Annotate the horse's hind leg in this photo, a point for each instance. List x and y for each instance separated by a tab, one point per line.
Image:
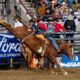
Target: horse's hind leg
27	53
54	61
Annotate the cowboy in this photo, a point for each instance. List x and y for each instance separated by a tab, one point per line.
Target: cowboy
70	26
38	34
46	31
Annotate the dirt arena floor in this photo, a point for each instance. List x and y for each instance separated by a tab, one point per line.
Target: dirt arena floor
26	74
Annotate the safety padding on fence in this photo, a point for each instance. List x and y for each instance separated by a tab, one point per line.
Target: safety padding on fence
9	46
67	63
10	49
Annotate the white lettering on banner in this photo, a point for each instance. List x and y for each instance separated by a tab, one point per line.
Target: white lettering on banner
75	58
15	47
12	46
8	47
74	64
5	48
10	55
3	41
70	64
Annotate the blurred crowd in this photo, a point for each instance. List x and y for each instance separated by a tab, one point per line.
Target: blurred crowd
60	9
47	10
66	13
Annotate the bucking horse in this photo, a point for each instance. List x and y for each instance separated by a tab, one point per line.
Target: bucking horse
33	44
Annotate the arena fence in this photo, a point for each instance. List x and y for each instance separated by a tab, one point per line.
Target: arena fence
10	49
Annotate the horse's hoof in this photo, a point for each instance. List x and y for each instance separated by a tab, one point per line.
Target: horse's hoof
64	73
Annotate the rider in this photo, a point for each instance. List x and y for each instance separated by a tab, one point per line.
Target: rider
38	34
46	30
36	30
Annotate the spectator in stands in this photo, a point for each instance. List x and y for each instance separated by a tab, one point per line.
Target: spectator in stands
57	27
52	6
65	14
56	3
47	14
77	13
46	1
77	20
63	7
76	1
66	1
70	26
33	3
69	2
76	4
41	2
57	13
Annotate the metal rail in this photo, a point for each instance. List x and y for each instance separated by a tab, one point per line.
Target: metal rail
27	12
63	33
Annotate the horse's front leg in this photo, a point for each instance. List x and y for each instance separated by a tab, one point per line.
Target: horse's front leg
54	61
27	53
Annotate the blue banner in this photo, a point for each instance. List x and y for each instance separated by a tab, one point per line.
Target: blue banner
9	46
65	62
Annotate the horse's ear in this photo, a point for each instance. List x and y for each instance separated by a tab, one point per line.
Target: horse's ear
71	45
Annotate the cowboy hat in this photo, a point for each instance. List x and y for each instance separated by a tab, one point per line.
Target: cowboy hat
70	17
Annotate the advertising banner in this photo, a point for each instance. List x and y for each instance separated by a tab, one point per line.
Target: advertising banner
9	46
66	63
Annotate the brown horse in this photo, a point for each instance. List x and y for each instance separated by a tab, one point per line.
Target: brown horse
33	44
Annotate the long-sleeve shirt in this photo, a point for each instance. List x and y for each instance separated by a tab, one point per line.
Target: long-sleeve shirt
70	25
58	28
43	27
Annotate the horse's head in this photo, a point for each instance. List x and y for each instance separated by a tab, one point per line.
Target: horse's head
67	48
